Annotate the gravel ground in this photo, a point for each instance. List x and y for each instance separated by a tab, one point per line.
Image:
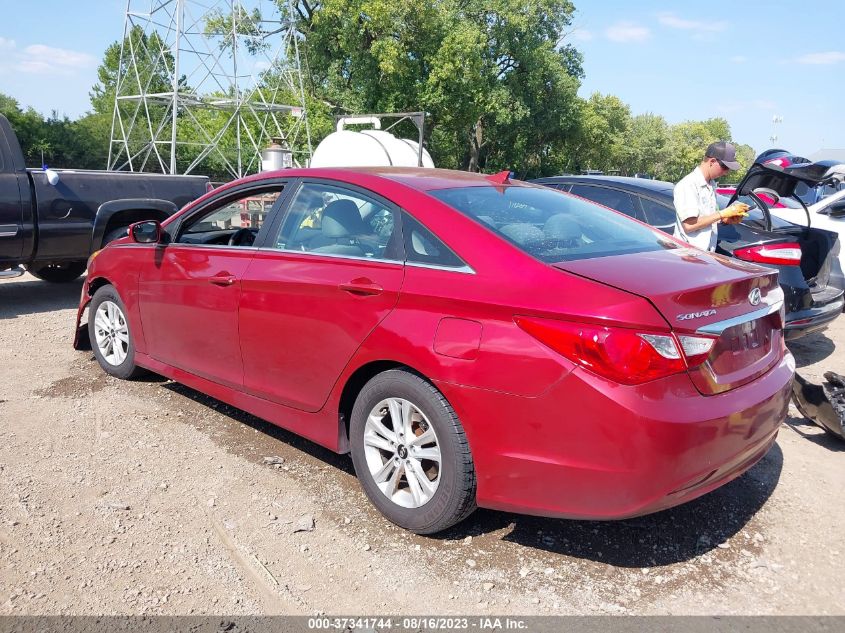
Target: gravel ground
147	497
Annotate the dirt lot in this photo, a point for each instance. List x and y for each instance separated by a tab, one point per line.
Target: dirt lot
150	498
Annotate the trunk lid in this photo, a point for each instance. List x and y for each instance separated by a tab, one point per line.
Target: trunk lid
702	294
819	247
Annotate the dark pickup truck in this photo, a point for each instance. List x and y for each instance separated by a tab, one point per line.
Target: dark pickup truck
51	221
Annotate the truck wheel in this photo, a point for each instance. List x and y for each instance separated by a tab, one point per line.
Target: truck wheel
115	234
411	454
111	339
59	273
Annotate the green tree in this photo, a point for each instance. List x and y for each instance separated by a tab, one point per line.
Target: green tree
599	142
497	83
247	24
687	144
644	144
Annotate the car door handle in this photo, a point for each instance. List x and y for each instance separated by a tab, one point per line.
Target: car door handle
361	287
222	280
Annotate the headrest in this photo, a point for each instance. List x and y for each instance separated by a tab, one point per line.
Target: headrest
560	227
341	219
522	233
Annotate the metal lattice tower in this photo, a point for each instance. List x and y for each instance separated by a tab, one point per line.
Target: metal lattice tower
206	84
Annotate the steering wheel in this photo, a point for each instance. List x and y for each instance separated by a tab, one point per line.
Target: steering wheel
238	237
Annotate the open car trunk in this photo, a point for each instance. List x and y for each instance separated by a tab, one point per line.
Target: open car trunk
819	248
777	174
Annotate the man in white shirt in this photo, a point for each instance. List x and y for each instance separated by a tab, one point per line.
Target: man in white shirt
695	197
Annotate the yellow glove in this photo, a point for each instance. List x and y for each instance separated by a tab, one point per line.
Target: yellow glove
734	213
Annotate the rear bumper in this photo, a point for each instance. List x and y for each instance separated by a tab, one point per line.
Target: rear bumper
589	449
814	319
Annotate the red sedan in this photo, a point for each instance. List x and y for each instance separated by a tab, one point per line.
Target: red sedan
471	341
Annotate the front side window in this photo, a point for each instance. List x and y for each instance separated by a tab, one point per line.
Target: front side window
334	220
234	221
550	225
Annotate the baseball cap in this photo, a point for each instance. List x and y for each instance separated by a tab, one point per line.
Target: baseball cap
724	152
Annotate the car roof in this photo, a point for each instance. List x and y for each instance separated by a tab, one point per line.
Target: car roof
623	182
420	178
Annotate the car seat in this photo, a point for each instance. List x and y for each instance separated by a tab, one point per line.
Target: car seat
339	225
560	231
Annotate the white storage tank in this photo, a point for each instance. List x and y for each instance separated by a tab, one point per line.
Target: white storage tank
368	148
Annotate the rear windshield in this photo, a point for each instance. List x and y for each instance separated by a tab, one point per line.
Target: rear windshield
551	225
755	213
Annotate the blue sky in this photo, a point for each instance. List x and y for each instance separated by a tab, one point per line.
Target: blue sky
747	61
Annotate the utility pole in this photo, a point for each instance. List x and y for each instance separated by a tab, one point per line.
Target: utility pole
776	119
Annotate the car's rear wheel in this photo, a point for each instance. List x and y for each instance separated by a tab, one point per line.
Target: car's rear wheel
59	273
115	234
111	337
411	453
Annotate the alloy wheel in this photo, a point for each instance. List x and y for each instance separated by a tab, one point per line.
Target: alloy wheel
402	452
111	333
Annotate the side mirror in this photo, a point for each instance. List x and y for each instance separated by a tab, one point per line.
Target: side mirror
765	192
837	209
147	232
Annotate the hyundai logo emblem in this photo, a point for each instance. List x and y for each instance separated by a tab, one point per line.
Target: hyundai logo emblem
754	297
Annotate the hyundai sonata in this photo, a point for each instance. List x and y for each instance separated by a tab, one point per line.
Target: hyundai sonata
470	340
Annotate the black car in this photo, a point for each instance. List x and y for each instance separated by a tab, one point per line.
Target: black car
806	258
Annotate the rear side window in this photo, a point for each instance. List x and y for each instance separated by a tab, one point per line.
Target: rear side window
615	199
550	225
423	247
659	215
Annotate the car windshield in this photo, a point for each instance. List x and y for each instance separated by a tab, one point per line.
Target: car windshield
551	225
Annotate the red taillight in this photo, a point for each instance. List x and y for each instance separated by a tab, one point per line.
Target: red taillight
786	254
623	355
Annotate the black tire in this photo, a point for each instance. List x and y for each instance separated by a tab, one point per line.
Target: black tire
115	234
59	273
454	496
123	364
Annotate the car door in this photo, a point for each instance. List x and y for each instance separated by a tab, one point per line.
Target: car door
11	213
189	299
327	276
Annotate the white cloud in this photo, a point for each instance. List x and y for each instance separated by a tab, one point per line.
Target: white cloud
831	57
6	43
698	26
627	32
42	60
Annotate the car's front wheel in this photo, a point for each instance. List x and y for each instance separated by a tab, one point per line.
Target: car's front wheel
111	337
411	453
